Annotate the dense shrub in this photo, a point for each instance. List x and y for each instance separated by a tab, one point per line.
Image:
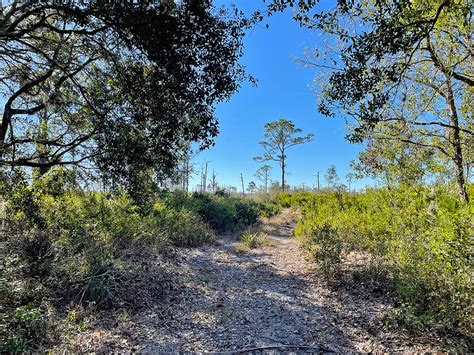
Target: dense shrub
325	246
221	211
218	211
269	208
61	244
246	212
180	227
422	236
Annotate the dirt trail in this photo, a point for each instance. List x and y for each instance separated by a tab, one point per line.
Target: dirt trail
269	297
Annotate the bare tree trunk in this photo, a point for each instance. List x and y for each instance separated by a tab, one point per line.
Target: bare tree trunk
201	184
186	182
457	145
214	181
283	171
205	177
242	181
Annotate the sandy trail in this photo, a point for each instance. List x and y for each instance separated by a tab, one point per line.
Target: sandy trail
269	297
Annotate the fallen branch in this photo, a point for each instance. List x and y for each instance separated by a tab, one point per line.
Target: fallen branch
277	347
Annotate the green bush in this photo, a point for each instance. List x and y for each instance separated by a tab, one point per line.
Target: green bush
28	322
269	209
218	211
183	227
222	212
67	244
246	212
325	246
419	236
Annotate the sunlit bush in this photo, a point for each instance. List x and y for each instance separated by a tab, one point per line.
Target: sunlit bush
222	212
421	236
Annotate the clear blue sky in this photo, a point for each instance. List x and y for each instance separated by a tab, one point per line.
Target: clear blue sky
284	90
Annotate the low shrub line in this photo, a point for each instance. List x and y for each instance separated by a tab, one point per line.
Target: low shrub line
420	237
63	246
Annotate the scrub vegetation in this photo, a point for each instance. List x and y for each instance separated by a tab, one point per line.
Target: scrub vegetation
67	245
417	237
105	245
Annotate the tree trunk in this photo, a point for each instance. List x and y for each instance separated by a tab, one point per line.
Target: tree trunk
205	178
283	171
456	143
6	119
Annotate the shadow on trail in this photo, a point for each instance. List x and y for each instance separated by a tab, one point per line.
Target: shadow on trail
269	298
249	304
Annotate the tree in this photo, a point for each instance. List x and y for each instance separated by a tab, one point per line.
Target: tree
263	175
350	178
274	187
242	183
204	177
396	163
232	189
280	136
186	168
252	187
118	85
403	73
331	177
213	181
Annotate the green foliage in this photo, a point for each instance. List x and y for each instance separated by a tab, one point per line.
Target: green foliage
268	204
269	209
219	211
123	115
222	212
182	227
401	85
61	243
325	246
252	238
422	236
246	212
295	200
28	322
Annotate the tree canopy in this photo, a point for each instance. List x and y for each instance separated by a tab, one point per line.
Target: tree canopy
118	85
281	135
400	70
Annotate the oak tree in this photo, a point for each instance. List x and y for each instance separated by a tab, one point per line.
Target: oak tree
121	86
403	71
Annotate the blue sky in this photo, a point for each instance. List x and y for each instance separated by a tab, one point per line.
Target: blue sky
284	90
